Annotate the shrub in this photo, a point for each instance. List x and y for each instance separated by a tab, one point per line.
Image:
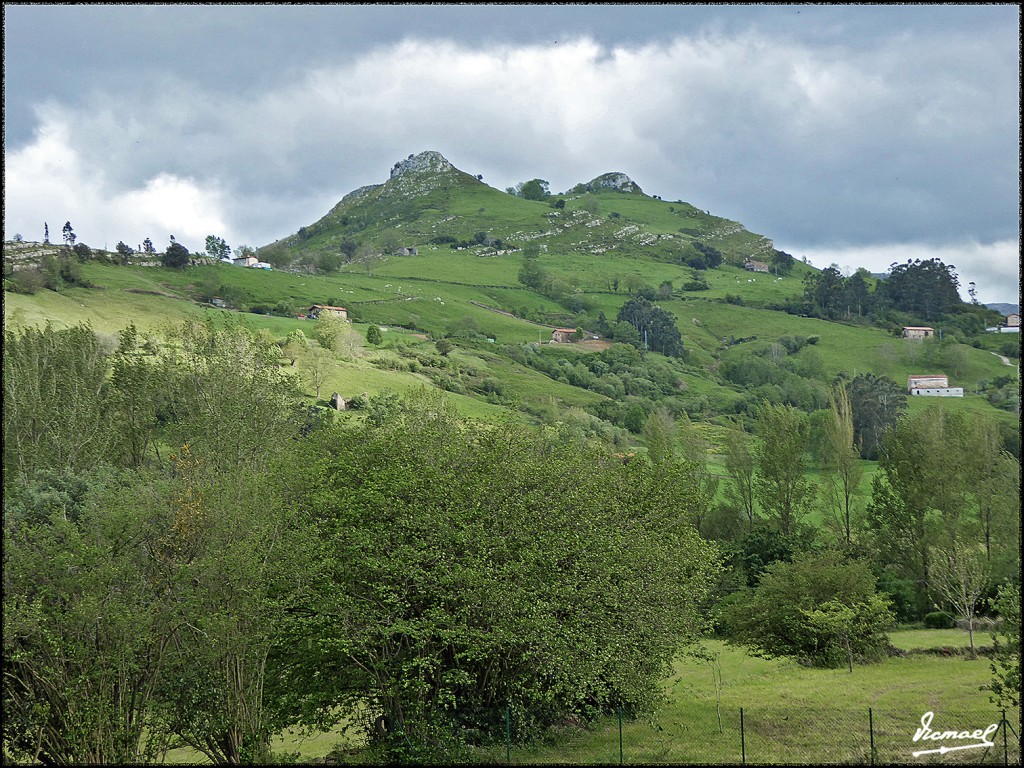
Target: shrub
820	608
25	281
938	620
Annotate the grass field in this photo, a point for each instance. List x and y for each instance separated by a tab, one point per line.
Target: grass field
791	713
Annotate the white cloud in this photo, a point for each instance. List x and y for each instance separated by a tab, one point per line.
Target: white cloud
49	181
904	140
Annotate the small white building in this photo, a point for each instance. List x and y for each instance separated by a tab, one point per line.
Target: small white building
1013	320
918	332
932	386
245	261
325	310
938	391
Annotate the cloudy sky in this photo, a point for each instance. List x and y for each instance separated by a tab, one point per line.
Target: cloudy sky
855	135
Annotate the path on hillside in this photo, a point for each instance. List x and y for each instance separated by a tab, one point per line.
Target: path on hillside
509	314
1006	360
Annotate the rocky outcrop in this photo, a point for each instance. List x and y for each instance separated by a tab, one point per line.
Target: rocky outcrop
619	182
418	175
355	194
424	162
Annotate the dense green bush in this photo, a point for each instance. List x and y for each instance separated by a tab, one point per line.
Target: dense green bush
938	620
458	596
821	609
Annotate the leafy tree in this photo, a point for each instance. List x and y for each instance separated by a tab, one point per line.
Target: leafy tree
137	389
841	459
876	402
328	332
927	289
919	499
782	262
993	487
534	189
55	412
856	297
373	334
231	399
531	274
176	256
147	246
46	233
69	234
710	256
694	449
83	627
739	464
819	608
444	346
423	610
329	262
294	345
317	364
655	327
781	485
237	565
124	251
347	248
823	291
960	576
659	434
1006	653
216	248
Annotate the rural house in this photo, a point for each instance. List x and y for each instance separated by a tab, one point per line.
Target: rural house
245	261
563	335
755	266
917	332
1013	320
932	386
324	309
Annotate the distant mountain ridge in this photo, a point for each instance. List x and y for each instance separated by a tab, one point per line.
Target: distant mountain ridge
1006	309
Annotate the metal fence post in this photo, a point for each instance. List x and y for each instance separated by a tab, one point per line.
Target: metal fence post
871	731
620	735
1006	749
743	739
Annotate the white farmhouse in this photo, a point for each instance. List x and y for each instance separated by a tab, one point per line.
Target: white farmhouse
932	386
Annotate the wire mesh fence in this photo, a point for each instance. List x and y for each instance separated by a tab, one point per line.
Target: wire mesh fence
702	733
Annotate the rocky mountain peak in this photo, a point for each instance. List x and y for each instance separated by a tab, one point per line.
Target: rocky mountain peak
620	182
424	162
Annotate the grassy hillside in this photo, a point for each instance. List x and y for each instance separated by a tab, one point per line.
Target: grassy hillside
601	245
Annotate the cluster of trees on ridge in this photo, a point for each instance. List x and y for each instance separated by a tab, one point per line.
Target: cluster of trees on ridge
194	556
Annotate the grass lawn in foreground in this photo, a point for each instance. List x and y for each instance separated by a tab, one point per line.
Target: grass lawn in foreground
791	713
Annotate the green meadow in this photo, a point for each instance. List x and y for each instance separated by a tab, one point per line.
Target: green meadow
791	713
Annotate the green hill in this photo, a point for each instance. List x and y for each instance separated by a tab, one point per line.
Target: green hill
434	252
